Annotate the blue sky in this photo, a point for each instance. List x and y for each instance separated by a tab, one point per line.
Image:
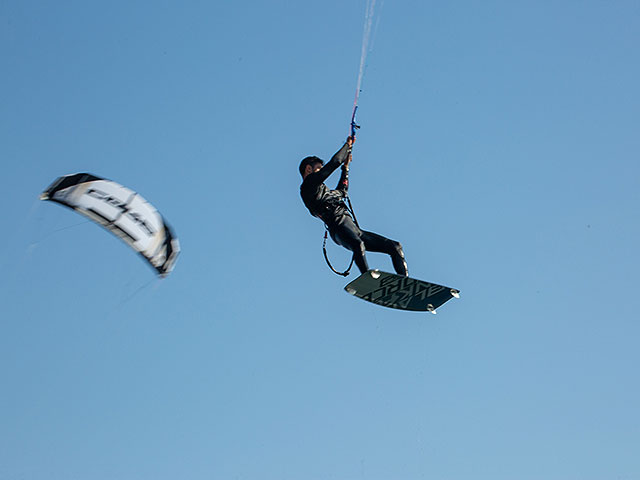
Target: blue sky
499	144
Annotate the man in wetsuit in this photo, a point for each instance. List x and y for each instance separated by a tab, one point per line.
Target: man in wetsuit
329	206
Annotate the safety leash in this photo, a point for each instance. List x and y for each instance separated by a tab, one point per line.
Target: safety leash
326	257
326	234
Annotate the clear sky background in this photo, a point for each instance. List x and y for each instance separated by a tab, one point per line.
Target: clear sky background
499	144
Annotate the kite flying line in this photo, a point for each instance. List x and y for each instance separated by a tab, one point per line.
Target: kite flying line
368	35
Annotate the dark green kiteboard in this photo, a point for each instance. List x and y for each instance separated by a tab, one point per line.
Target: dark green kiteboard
404	293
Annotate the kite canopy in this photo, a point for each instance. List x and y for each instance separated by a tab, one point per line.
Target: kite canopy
122	212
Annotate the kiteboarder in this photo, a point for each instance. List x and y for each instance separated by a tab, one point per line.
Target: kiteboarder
329	206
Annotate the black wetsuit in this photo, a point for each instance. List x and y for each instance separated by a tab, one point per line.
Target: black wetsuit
329	206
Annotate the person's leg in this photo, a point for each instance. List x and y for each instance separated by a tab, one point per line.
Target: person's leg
347	234
377	243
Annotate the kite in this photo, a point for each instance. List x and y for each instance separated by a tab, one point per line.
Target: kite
121	211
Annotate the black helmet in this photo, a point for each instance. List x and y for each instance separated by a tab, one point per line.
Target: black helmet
309	161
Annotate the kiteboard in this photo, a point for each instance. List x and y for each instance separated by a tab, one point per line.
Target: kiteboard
404	293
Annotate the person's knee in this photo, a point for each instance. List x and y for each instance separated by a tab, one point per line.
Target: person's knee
358	247
353	243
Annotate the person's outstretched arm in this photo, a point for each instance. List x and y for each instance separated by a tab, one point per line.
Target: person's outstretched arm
340	157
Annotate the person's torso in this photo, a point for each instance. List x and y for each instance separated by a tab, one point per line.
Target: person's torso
322	202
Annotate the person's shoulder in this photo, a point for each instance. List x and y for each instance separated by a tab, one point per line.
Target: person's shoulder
305	185
310	180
